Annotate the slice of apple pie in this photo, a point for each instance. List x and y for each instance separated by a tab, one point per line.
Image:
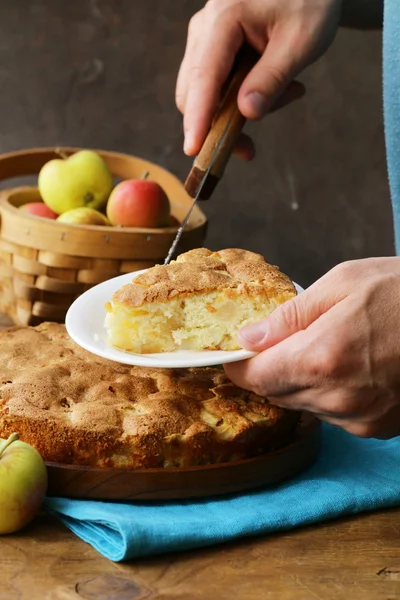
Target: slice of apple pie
198	302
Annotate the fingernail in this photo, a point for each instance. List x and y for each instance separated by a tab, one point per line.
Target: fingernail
188	144
258	102
254	334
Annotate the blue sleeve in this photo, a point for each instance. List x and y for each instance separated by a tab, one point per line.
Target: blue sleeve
391	97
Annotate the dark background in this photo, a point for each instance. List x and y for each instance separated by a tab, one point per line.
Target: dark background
101	74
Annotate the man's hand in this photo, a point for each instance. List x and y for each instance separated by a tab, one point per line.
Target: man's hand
288	34
334	350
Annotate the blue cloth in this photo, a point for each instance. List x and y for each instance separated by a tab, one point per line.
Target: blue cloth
350	476
391	95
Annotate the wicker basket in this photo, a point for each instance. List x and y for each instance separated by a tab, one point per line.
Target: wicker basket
45	265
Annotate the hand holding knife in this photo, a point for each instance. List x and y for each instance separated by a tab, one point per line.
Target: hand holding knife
209	165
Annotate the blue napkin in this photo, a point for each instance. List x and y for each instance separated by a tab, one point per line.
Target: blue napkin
350	476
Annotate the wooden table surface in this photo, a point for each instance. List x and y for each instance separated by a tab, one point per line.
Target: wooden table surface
356	558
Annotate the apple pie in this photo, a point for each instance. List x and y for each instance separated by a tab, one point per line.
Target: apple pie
198	302
76	408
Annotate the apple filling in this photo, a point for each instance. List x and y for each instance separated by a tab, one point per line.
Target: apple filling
206	321
198	302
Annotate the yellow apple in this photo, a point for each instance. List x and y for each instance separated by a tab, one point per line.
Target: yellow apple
83	216
82	179
23	483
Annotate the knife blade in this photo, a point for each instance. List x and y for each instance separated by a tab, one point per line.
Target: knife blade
209	165
196	198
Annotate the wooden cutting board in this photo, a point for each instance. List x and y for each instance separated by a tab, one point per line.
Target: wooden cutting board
196	482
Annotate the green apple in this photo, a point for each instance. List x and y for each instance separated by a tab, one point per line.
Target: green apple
83	216
23	483
82	179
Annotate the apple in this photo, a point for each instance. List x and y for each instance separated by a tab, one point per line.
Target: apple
138	203
39	209
82	179
83	216
174	222
23	483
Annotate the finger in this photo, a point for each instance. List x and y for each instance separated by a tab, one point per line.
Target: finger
361	414
293	315
181	85
384	428
205	75
308	358
195	27
268	79
290	317
337	403
274	372
244	147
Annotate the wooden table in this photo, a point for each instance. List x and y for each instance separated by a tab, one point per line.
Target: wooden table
356	558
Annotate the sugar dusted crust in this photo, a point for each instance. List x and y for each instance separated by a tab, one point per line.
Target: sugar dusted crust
76	408
201	270
198	302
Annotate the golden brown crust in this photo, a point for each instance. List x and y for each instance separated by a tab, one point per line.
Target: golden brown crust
201	270
80	409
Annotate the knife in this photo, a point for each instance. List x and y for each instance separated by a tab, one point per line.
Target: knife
209	165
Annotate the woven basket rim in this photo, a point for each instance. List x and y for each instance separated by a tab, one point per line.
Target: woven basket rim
125	243
35	153
6	204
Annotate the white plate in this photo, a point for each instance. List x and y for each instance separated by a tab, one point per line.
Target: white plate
85	325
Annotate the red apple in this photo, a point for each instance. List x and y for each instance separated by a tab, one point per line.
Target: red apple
173	222
138	203
39	209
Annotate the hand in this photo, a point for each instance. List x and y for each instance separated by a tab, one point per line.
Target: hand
289	35
333	350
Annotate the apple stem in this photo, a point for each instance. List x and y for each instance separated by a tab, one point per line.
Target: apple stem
145	175
13	438
61	153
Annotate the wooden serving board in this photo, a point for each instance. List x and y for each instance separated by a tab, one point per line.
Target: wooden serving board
196	482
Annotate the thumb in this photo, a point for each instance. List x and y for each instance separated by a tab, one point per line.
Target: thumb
268	79
290	317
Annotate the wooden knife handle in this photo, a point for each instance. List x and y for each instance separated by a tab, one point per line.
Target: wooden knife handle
229	121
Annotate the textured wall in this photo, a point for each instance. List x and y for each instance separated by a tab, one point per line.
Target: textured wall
101	73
